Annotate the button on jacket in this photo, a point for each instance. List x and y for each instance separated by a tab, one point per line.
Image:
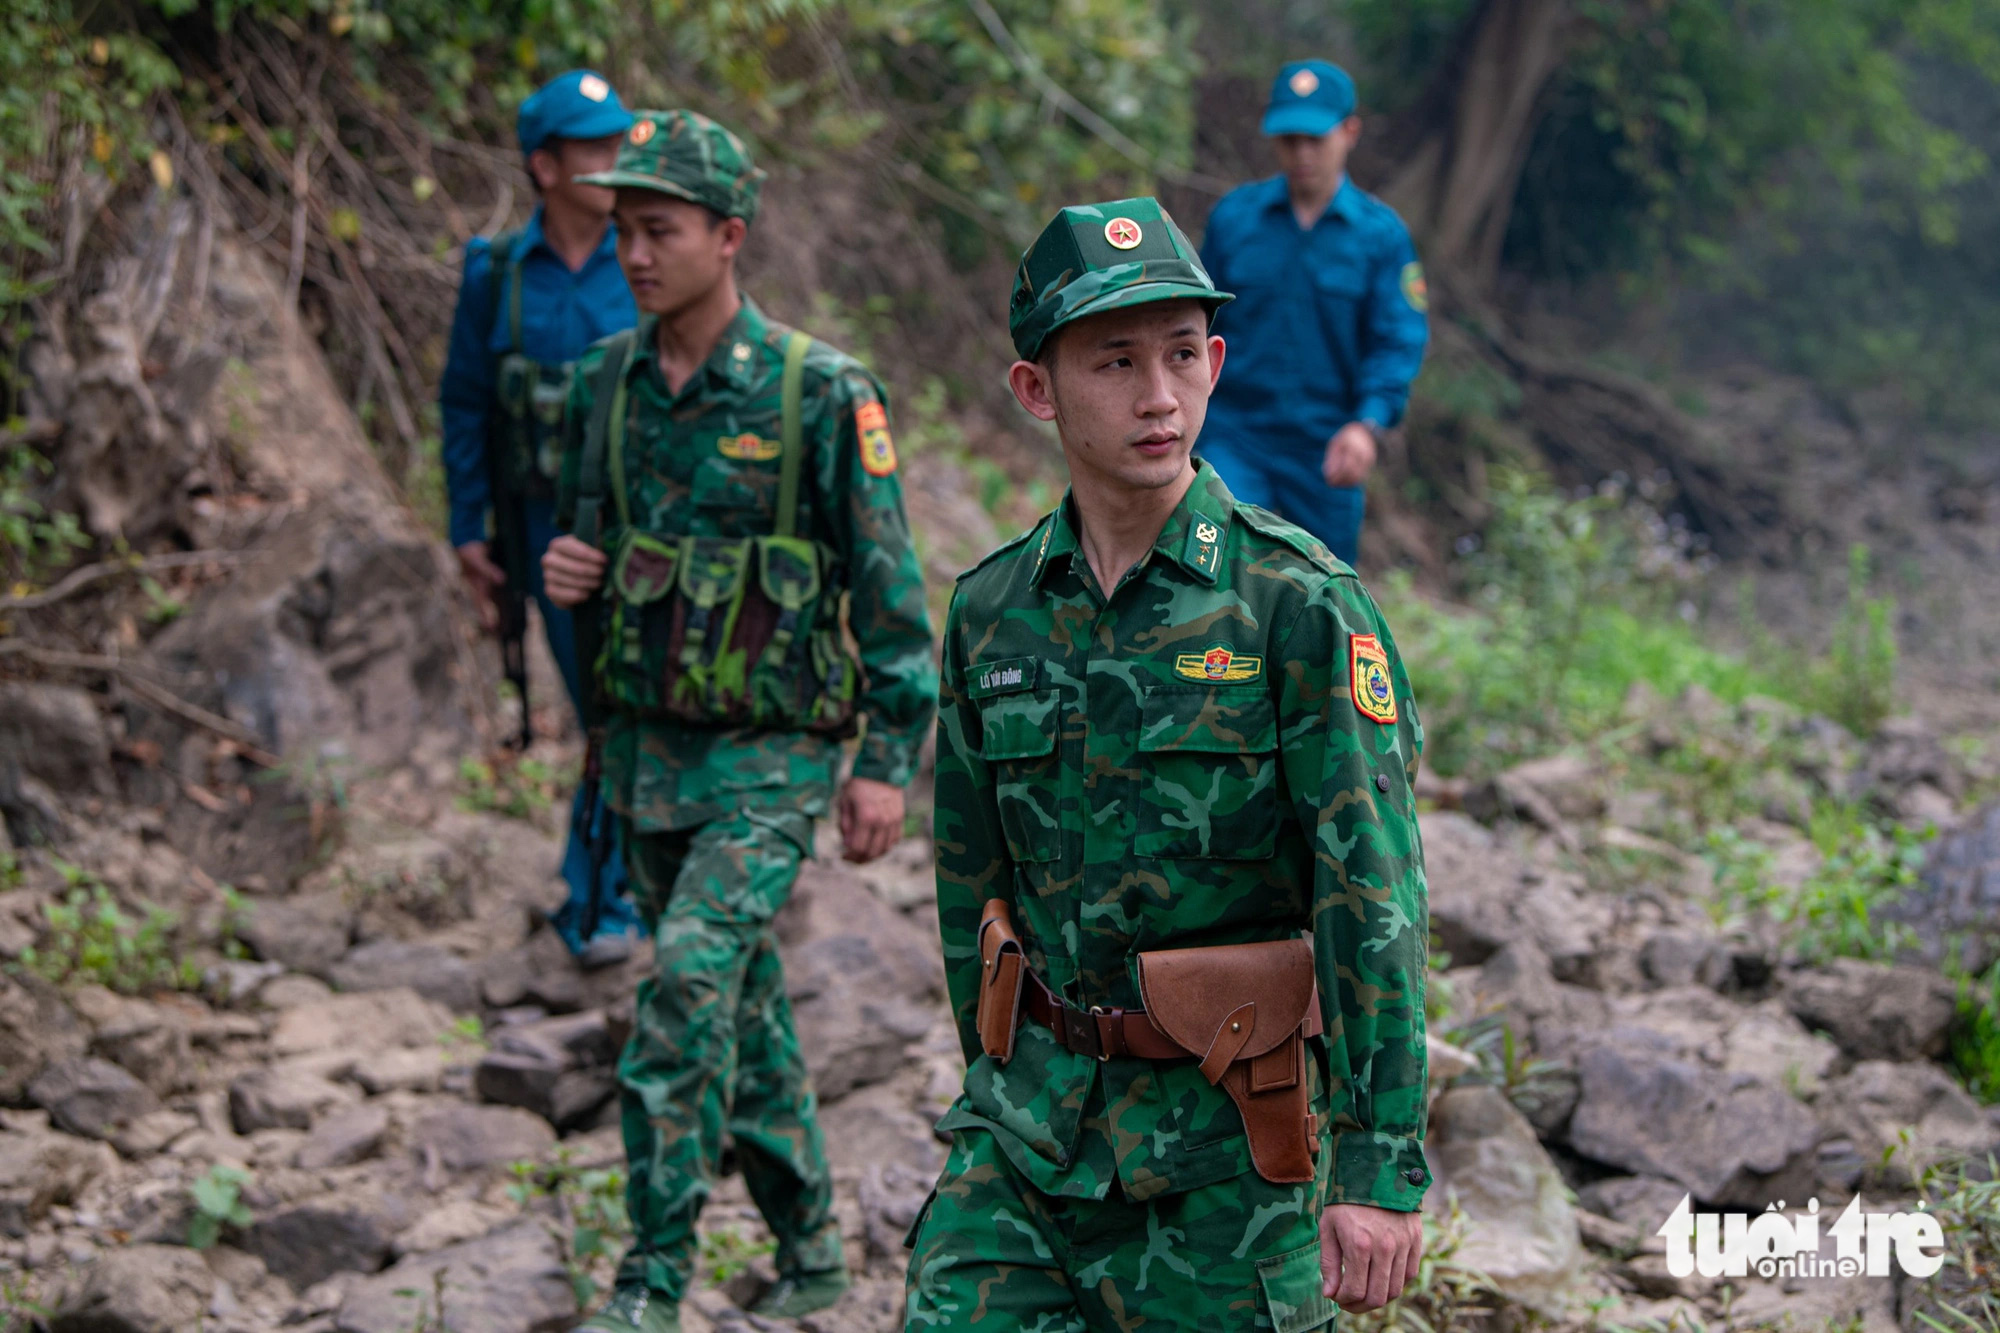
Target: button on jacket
1219	750
562	314
1323	330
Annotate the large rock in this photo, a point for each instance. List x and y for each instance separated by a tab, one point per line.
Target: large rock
1523	1231
369	1021
94	1098
344	1137
432	972
38	1168
1959	897
137	1289
307	934
1728	1138
148	1041
560	1068
511	1281
1553	791
54	733
344	1232
861	977
1484	896
36	1028
282	1096
1874	1011
473	1138
1876	1103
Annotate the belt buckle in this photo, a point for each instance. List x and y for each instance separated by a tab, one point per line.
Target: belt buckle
1098	1011
1080	1033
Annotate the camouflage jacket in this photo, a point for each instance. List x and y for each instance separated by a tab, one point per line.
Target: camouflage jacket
688	475
1221	751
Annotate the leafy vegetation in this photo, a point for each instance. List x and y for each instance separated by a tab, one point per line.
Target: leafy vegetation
1975	1037
1855	684
592	1200
217	1195
31	538
728	1251
91	938
516	786
1836	912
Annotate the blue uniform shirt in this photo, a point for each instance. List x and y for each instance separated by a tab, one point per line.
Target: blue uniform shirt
562	314
1327	326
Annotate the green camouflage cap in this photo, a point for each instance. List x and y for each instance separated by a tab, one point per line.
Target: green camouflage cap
689	157
1097	257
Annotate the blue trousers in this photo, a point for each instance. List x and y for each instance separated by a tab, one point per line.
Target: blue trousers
1287	482
615	914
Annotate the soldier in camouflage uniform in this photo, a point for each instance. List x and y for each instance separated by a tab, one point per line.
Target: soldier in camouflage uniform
1167	720
723	471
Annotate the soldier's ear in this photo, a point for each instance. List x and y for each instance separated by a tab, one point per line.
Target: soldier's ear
733	233
1034	388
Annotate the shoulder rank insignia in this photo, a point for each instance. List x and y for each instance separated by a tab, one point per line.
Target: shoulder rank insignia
878	451
1218	666
748	447
1368	668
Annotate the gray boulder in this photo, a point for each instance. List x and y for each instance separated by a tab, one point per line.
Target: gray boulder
1959	897
345	1232
54	733
1522	1229
282	1096
473	1138
36	1028
1876	1103
137	1289
94	1098
1874	1011
511	1281
431	971
1727	1138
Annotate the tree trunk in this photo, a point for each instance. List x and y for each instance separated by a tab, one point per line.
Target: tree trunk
1464	143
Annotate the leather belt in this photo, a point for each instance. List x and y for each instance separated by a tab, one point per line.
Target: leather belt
1102	1033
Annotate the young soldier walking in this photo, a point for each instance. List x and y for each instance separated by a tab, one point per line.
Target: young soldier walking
730	490
1179	880
532	301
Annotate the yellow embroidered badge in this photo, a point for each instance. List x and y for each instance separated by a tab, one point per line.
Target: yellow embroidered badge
1219	665
878	451
750	448
1368	668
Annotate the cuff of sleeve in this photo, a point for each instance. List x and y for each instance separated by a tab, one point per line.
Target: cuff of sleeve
883	758
1385	1170
1377	410
468	525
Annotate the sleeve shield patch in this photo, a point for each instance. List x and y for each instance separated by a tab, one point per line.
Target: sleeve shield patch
1368	670
1415	290
878	451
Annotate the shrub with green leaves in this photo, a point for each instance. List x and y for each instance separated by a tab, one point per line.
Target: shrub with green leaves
91	938
1855	684
217	1196
1836	912
592	1200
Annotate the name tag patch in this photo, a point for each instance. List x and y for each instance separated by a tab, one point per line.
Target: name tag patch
1219	665
1002	677
1368	670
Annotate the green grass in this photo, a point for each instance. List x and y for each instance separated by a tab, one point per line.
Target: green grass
91	938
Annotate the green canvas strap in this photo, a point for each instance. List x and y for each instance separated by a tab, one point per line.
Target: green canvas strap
791	440
605	436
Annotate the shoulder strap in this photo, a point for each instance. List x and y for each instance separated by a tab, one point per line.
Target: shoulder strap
503	283
604	437
792	440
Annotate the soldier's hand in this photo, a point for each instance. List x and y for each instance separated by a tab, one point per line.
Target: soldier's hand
571	570
871	819
484	579
1349	455
1367	1255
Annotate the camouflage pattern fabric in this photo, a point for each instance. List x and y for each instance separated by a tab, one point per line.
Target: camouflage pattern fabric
1098	257
993	1251
713	1050
690	472
1220	751
689	157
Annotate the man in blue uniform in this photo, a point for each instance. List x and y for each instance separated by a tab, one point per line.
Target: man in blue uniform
1327	329
531	301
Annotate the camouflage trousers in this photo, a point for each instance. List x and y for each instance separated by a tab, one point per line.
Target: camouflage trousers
992	1250
713	1050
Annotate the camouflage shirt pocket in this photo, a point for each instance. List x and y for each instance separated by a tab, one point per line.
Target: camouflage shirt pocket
1208	774
1017	724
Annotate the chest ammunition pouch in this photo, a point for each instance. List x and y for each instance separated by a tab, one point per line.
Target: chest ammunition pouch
529	396
716	631
1242	1010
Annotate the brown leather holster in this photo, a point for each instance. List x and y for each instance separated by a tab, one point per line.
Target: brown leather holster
1002	968
1243	1011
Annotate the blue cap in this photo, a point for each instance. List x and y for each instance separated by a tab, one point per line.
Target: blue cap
576	105
1309	97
